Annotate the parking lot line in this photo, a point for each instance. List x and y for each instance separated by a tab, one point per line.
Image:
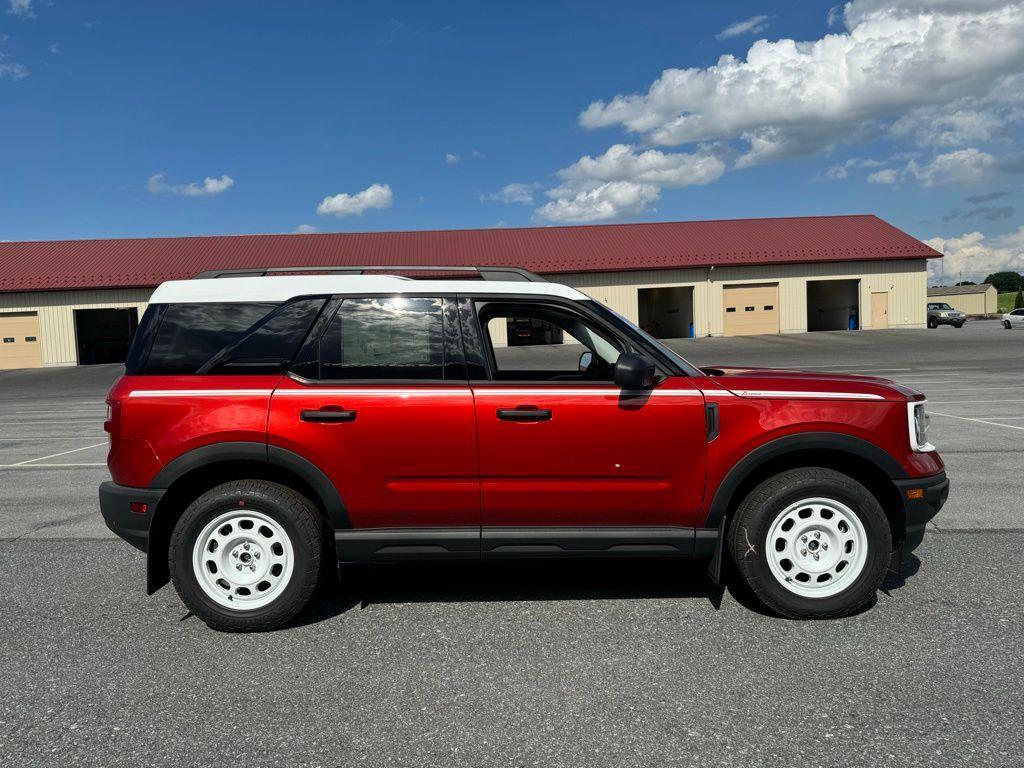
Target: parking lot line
51	466
51	421
48	437
958	402
55	455
979	421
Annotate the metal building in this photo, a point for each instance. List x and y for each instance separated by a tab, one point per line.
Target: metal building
974	300
79	301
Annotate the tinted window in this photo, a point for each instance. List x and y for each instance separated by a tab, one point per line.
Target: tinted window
190	334
271	345
384	338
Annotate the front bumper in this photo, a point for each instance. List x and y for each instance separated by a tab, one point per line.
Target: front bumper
922	499
951	320
115	504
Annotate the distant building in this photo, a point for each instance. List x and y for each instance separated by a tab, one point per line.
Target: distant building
970	299
79	301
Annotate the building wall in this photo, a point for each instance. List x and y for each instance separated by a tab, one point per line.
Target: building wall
904	281
56	311
980	303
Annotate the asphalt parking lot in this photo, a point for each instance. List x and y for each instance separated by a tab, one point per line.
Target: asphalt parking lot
538	664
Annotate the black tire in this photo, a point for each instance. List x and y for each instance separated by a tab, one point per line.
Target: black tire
1007	325
748	533
958	325
295	515
932	323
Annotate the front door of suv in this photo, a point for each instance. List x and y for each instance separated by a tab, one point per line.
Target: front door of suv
560	444
378	400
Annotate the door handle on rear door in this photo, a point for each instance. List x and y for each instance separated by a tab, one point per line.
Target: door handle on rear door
328	416
524	413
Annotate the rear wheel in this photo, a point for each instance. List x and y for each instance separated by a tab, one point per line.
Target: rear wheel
1007	325
247	555
811	543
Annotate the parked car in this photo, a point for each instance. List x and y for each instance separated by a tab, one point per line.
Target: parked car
270	427
1014	319
940	313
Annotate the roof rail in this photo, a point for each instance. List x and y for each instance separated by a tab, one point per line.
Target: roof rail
486	273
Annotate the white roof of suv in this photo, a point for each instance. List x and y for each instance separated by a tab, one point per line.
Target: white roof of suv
278	289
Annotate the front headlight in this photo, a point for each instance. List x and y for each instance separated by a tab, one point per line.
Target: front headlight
918	423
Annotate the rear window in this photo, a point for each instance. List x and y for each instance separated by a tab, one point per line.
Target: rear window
384	338
227	338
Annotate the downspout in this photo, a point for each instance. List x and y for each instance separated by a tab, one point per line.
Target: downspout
707	313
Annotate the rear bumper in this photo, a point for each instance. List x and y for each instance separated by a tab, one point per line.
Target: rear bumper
918	511
115	505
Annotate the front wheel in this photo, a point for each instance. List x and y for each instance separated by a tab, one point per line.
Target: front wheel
1007	325
932	323
811	543
246	556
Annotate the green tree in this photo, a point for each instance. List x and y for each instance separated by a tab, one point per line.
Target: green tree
1018	303
1005	282
967	282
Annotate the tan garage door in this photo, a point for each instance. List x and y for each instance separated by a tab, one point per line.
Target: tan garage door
19	341
751	309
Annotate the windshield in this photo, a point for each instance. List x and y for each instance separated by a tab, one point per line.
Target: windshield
939	305
646	338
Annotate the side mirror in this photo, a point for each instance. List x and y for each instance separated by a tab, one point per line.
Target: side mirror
634	372
585	360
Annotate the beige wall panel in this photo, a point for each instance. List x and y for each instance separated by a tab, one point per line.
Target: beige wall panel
56	311
904	280
981	303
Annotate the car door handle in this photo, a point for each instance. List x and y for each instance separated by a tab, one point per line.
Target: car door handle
526	413
325	416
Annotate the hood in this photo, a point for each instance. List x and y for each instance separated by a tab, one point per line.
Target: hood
783	384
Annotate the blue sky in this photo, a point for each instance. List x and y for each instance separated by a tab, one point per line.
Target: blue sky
141	119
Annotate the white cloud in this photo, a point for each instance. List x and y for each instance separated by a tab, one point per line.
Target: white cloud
21	8
621	162
937	127
451	158
605	201
624	181
842	170
305	229
790	98
54	48
374	196
12	70
964	166
884	176
157	184
752	26
975	256
515	193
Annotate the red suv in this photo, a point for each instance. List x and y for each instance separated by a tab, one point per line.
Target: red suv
269	426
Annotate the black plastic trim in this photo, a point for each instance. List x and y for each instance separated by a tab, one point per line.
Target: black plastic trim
805	441
920	511
598	541
115	501
206	455
367	545
711	420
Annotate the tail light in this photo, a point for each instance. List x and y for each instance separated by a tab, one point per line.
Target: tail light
112	426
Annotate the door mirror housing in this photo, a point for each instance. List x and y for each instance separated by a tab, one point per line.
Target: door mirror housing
585	360
634	372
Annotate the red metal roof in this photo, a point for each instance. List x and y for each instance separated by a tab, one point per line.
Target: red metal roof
81	264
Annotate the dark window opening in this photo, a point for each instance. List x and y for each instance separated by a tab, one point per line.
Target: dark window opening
749	309
768	307
8	339
104	335
30	338
730	309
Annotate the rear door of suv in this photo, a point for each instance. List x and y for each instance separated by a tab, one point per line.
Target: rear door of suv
561	446
378	400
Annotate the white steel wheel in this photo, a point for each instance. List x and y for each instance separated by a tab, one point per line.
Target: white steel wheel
243	560
816	547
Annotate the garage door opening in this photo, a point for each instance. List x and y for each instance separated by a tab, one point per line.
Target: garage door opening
832	305
104	334
19	341
666	313
750	310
